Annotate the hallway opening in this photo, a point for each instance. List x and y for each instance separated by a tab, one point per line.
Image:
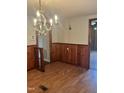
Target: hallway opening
93	43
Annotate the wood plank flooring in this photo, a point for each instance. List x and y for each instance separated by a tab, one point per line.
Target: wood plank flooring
62	78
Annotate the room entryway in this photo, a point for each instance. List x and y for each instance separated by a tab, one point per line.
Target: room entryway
93	43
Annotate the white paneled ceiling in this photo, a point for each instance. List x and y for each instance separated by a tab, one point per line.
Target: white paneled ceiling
66	8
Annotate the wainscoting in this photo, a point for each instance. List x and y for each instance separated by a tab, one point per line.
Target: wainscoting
76	54
30	57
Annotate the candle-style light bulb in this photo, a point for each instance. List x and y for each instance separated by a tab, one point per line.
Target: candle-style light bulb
35	21
56	18
51	21
40	27
38	13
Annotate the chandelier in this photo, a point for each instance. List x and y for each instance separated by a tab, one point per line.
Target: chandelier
42	24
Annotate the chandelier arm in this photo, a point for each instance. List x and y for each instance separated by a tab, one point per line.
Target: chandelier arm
48	28
44	18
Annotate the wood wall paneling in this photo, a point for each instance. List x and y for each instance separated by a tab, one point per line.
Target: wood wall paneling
68	53
30	57
55	52
83	57
63	53
71	53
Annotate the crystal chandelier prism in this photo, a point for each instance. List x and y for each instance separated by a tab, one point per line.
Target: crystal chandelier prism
42	24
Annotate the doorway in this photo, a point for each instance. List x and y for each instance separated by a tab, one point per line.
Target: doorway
93	43
45	42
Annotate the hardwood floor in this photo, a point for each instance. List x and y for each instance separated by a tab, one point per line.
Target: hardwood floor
62	78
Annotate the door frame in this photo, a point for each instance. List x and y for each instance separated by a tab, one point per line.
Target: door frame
50	45
89	38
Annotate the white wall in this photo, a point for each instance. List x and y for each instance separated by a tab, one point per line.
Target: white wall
54	36
58	29
31	37
79	32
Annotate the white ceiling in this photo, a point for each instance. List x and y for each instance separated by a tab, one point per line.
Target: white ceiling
66	8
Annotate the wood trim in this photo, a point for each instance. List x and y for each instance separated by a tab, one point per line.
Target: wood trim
30	69
50	45
92	19
70	44
31	45
37	44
